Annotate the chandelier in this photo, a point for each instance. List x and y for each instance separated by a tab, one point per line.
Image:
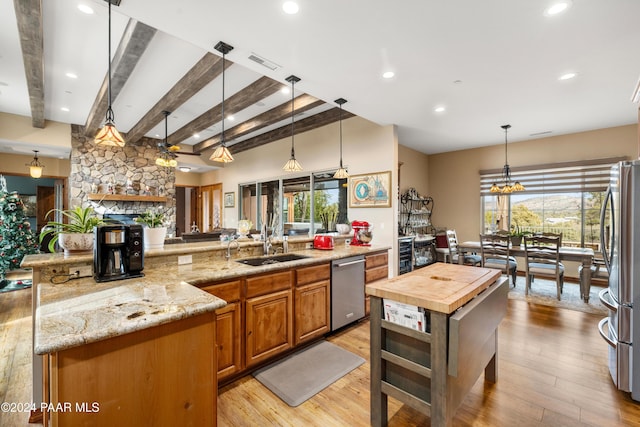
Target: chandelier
222	153
35	167
506	172
292	164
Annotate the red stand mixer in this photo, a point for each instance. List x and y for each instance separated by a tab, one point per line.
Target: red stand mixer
362	233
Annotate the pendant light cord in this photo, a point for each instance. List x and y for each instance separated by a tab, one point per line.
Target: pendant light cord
109	109
293	153
340	136
223	66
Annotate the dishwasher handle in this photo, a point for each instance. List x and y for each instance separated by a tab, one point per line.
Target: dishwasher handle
344	264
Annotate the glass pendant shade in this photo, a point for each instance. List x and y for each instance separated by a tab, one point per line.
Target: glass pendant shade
167	158
35	167
341	173
292	164
109	135
222	153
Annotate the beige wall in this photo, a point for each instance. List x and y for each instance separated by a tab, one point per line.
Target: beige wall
414	172
19	129
454	180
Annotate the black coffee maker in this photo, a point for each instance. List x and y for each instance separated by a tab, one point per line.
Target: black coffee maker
118	252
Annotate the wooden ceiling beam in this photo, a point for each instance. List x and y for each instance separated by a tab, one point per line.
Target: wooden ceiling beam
301	104
29	17
201	74
134	42
260	89
304	125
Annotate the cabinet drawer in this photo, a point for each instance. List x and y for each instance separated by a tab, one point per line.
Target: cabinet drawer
312	274
376	260
373	274
228	291
260	285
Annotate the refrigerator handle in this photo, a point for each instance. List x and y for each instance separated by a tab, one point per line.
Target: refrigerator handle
606	300
608	202
601	324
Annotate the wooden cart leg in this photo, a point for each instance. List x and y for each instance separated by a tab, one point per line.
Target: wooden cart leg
491	370
378	399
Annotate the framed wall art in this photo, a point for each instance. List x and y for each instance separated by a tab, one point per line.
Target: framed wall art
229	200
371	190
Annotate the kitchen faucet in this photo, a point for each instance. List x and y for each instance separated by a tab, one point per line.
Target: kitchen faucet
231	240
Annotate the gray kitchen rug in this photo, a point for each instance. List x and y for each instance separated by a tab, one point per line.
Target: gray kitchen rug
301	375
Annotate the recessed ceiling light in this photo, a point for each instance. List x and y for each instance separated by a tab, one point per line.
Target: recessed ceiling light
184	169
567	76
64	109
290	7
230	118
439	109
285	91
196	135
557	7
71	75
388	74
85	9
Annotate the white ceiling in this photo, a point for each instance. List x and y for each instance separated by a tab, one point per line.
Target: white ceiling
489	62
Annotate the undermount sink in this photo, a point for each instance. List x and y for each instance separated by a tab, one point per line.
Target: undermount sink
273	259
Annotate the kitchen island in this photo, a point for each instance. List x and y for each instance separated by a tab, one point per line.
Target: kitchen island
432	368
152	303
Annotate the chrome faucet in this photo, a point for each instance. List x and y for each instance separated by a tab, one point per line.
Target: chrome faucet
231	240
267	246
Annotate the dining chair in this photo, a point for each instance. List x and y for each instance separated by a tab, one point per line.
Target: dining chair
454	253
542	258
494	252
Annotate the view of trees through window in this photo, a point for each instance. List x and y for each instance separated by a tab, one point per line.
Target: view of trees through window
575	215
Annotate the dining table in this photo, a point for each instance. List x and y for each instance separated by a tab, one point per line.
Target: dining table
567	253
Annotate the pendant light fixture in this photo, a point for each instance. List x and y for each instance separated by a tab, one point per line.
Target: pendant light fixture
166	158
341	173
292	164
109	135
222	154
35	167
506	172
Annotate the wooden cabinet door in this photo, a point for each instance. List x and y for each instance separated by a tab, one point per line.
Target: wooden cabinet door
229	339
269	326
376	268
312	306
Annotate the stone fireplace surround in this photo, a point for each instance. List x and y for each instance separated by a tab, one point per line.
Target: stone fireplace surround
93	167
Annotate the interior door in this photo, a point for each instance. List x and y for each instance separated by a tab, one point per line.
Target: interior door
45	201
211	211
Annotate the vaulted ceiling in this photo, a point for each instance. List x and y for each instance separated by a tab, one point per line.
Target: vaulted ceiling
487	63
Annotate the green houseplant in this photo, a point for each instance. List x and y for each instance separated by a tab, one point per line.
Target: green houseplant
76	234
517	234
155	230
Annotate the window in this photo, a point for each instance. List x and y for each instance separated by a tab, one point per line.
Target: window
563	198
289	206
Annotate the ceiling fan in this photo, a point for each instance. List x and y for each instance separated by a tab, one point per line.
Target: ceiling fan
167	149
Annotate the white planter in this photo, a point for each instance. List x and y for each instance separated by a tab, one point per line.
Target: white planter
154	237
76	243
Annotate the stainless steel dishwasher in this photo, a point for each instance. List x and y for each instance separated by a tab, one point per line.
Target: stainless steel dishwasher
347	291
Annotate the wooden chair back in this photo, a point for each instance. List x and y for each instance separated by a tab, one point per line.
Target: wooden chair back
494	250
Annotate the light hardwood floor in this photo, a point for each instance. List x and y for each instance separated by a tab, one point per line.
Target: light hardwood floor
551	372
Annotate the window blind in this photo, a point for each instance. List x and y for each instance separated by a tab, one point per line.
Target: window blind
569	177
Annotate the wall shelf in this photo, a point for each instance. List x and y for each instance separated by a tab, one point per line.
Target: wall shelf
126	198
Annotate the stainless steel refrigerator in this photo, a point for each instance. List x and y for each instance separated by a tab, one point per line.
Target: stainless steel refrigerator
621	250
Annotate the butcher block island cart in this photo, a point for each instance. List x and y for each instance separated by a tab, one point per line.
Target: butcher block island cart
432	371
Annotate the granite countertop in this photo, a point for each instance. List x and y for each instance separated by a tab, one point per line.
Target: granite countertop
82	311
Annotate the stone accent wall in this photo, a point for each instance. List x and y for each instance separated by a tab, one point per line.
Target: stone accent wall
95	167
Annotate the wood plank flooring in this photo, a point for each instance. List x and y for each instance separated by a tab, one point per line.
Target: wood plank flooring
551	372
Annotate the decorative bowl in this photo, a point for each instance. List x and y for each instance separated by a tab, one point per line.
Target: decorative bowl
343	228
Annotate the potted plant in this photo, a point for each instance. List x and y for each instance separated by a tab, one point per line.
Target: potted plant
517	234
155	230
75	236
